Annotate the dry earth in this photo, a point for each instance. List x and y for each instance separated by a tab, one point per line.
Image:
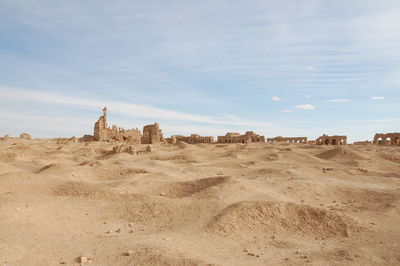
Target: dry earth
256	204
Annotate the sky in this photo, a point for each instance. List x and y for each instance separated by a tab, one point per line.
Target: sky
279	68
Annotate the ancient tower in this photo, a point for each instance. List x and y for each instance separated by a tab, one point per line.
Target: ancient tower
100	127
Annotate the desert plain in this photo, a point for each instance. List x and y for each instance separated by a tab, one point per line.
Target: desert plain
203	204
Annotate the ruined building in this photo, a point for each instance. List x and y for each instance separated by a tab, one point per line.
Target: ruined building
289	139
248	137
192	139
331	140
387	139
152	134
365	142
103	133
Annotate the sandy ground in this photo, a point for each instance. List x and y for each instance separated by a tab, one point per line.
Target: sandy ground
256	204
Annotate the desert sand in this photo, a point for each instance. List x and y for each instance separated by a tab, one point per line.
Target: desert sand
181	204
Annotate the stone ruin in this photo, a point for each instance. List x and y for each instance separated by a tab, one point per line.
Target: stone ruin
387	139
152	134
331	140
192	139
25	136
248	137
288	139
365	142
104	133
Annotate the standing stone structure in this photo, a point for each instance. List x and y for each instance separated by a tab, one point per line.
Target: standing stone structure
331	140
387	139
152	134
365	142
103	133
248	137
288	139
193	139
100	127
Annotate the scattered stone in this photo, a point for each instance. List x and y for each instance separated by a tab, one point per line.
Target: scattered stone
25	136
129	253
149	148
63	261
118	230
131	231
130	225
82	259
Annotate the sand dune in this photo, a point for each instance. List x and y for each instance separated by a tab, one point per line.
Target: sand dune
181	204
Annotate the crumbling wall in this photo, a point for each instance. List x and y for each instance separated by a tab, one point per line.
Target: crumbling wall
248	137
193	139
288	139
152	134
25	136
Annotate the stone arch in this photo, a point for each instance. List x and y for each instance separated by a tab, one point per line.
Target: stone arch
334	141
396	141
327	142
388	140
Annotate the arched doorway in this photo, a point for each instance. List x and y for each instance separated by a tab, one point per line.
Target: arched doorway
397	141
327	142
388	141
333	141
379	141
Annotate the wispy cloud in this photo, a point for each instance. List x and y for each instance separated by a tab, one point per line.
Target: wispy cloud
337	100
286	111
276	99
377	98
125	108
305	107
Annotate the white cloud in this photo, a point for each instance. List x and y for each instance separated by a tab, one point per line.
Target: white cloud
377	98
305	107
124	108
286	111
337	100
276	99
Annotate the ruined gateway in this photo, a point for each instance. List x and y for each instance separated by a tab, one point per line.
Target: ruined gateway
331	140
387	139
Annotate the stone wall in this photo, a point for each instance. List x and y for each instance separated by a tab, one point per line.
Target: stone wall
192	139
248	137
288	139
152	134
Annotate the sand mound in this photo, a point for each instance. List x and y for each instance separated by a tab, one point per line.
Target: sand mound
6	168
341	152
390	156
153	256
52	168
76	189
186	158
368	200
188	188
285	217
8	157
181	144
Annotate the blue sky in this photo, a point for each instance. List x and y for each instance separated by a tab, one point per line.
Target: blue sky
291	68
